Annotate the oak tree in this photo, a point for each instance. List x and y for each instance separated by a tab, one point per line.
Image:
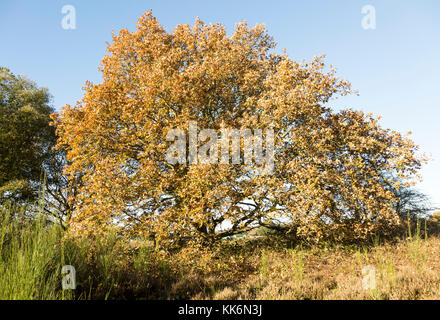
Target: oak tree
330	168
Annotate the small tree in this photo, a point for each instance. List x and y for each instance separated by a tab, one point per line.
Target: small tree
25	136
27	158
328	174
413	203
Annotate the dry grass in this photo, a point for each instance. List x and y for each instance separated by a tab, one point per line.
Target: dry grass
268	269
406	269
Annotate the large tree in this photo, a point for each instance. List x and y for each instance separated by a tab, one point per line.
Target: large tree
329	168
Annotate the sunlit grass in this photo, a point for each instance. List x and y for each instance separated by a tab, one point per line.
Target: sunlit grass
33	251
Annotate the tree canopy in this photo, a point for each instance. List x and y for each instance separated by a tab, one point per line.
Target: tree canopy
26	138
331	172
30	168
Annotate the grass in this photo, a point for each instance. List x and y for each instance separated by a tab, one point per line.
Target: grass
404	269
33	251
26	249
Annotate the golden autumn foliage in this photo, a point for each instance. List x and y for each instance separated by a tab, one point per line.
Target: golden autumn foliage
331	169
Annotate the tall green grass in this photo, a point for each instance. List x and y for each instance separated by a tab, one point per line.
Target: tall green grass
28	256
34	249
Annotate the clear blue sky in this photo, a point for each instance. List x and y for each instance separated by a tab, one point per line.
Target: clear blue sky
395	67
